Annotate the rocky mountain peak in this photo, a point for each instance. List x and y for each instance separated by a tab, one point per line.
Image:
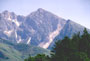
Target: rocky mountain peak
8	15
40	28
40	10
68	20
6	11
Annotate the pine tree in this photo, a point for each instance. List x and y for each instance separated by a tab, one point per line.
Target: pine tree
84	44
61	50
75	49
38	57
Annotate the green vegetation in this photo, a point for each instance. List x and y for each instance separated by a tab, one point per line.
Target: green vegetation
38	57
76	48
8	53
18	52
31	50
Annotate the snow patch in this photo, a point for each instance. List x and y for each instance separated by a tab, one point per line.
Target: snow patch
51	36
28	41
8	32
16	22
19	40
9	18
32	30
16	34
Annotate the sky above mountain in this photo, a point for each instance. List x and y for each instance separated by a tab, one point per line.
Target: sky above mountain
76	10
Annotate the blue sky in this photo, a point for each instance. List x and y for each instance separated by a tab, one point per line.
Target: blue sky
76	10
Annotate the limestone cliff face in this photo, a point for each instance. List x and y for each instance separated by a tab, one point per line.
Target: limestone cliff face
39	28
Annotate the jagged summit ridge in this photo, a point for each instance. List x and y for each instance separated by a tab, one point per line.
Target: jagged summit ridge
41	10
39	28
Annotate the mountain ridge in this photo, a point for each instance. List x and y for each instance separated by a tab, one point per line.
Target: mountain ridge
39	28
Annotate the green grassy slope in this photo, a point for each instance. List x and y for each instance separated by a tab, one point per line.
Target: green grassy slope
9	53
18	52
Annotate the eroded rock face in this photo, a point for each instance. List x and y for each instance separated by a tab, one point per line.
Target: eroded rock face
39	28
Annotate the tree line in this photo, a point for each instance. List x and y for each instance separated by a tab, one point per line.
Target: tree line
76	48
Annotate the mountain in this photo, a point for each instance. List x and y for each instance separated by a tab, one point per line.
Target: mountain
18	52
39	28
9	24
69	29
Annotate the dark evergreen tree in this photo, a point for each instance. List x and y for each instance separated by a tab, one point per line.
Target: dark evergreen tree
75	41
38	57
75	49
78	56
84	43
61	50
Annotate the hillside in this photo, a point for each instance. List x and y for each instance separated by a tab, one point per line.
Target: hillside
18	52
